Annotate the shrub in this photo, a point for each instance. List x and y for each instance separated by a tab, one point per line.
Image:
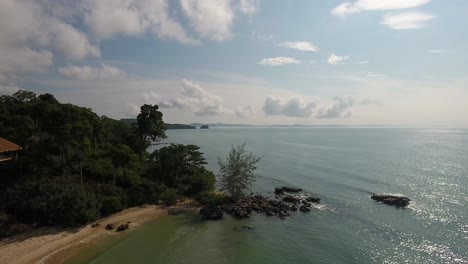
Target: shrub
169	197
110	205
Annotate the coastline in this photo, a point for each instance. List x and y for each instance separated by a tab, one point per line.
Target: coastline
53	245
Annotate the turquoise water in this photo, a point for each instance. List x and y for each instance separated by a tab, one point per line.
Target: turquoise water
343	166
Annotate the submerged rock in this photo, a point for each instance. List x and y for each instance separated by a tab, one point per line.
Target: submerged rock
391	199
279	191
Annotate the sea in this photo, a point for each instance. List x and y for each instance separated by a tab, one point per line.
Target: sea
344	166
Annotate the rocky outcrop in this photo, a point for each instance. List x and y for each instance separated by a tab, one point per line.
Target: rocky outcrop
291	189
391	199
280	206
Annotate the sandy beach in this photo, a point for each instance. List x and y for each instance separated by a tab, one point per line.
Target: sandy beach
42	245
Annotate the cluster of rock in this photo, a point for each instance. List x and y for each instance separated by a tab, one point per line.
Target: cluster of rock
120	228
279	206
396	200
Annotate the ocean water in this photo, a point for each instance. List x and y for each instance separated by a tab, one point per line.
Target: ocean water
343	166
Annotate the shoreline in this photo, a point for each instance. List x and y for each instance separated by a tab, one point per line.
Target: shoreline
43	244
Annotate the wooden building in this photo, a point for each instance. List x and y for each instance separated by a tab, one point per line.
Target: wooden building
8	150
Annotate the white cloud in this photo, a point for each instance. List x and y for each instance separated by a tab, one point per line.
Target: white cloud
369	5
361	62
299	45
335	59
248	7
246	111
292	107
210	18
278	61
195	98
339	109
104	72
410	20
73	43
107	18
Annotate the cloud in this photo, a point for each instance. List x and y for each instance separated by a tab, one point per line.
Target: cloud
370	5
278	61
248	7
73	43
246	111
104	72
195	98
107	18
360	62
210	18
410	20
335	59
292	107
299	45
339	109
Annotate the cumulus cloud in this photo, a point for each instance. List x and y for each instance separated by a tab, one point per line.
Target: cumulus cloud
195	98
292	107
369	5
335	59
210	18
339	109
299	45
104	72
246	111
409	20
107	18
278	61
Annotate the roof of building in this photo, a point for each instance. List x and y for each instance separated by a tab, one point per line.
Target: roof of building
6	145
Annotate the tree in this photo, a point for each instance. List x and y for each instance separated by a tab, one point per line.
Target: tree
150	125
236	172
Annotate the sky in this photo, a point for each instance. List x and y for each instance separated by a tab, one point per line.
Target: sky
321	62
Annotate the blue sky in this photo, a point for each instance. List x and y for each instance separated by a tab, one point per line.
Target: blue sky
361	62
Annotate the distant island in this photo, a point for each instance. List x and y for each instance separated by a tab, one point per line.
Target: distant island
131	121
204	127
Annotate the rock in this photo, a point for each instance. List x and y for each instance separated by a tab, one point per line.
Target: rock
291	199
391	199
279	191
247	227
211	213
304	209
313	199
122	227
95	225
291	189
109	226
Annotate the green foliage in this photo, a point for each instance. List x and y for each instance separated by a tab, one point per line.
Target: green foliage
169	197
57	201
111	204
182	167
146	192
236	172
76	166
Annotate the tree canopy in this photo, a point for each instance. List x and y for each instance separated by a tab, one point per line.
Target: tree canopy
236	172
62	142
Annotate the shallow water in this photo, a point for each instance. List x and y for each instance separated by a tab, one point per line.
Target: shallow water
343	166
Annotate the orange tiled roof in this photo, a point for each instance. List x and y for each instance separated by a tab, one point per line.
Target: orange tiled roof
6	145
